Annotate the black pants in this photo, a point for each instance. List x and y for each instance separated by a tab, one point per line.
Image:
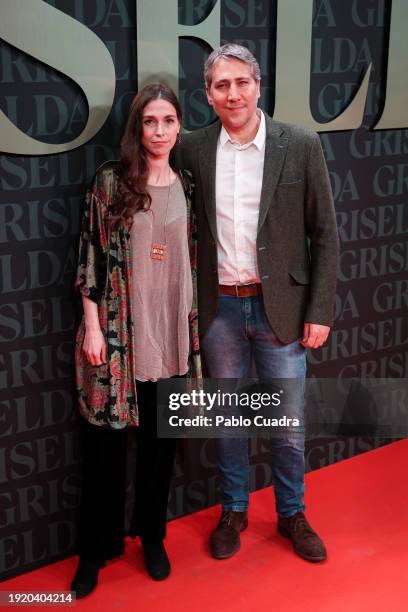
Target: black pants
102	511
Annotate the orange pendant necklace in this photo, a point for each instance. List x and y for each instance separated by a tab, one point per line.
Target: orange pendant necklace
158	249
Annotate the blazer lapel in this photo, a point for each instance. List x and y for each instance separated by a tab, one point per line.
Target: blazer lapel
275	153
208	159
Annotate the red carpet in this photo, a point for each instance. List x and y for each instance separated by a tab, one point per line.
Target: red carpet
359	507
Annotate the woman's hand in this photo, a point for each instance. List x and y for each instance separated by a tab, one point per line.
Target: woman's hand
94	347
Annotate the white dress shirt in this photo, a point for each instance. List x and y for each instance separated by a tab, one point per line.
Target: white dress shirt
238	185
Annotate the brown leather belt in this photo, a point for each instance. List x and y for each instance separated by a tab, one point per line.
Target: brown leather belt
241	290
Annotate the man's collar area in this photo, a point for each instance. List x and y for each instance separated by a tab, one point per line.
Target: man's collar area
258	141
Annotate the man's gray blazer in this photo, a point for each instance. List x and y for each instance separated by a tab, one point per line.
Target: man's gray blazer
297	242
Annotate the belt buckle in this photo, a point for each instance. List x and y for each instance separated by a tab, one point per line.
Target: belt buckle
237	287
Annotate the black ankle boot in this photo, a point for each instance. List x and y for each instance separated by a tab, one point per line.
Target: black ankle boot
86	577
156	559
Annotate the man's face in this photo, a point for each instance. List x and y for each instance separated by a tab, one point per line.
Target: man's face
233	93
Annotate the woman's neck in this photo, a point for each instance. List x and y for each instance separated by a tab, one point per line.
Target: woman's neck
160	172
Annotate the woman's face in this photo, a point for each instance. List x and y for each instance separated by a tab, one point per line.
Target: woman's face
160	127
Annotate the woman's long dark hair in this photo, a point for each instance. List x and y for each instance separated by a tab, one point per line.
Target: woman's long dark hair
132	192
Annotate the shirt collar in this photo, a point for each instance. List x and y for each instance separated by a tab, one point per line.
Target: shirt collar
258	141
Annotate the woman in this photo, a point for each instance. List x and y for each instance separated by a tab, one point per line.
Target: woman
136	274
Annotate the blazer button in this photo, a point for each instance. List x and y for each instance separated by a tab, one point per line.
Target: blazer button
265	276
262	248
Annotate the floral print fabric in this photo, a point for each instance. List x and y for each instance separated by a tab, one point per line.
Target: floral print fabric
107	393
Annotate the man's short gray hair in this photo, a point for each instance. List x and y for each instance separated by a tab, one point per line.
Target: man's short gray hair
231	50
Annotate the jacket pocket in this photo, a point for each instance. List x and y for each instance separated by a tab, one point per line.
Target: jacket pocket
291	183
301	277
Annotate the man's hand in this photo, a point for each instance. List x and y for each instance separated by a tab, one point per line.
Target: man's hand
314	335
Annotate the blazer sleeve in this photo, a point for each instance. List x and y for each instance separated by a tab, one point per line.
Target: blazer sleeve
93	246
321	229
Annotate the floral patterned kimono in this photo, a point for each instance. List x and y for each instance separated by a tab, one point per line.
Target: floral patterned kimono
107	393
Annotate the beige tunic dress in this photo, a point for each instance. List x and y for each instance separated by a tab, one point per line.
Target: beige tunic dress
162	290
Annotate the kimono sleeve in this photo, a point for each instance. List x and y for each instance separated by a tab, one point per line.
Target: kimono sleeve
93	247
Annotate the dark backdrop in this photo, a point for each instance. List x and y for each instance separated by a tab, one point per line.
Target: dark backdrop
40	211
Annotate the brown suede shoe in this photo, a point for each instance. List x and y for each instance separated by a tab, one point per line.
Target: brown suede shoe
225	540
306	542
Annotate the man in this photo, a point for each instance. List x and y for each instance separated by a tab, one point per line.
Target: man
267	259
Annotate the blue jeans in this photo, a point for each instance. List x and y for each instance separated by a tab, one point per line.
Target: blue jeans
239	332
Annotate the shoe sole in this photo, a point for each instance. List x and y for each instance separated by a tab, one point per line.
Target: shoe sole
231	554
157	577
285	534
80	592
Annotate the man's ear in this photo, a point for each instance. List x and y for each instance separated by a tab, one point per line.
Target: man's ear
209	97
259	89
